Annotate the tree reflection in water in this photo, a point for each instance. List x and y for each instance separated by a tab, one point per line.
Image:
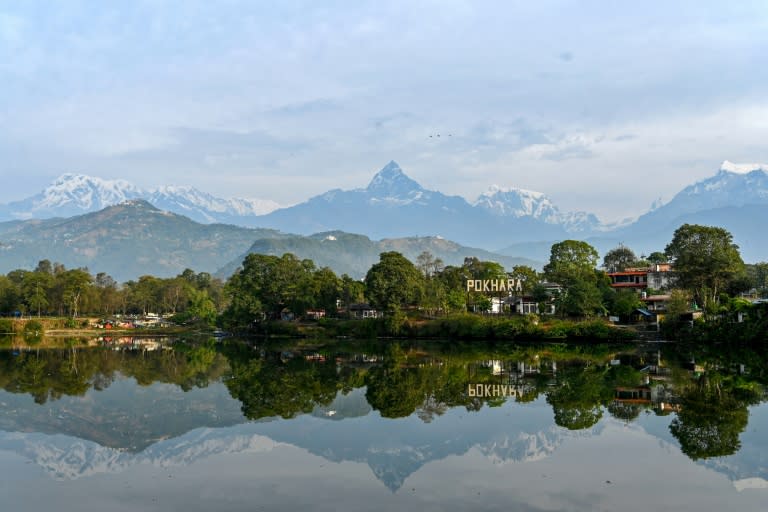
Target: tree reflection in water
578	383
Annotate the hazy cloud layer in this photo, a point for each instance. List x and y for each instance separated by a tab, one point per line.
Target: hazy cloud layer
603	106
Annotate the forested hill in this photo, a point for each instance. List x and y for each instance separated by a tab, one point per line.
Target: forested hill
126	241
134	238
352	254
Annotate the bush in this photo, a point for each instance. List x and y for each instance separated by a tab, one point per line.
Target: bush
6	326
33	332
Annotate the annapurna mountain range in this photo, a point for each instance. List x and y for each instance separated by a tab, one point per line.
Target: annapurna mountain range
509	220
74	194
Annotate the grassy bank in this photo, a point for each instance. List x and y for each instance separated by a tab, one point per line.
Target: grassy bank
459	327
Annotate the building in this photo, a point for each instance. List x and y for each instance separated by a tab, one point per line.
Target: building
363	310
657	277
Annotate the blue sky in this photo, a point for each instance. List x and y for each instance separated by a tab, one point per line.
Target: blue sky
604	106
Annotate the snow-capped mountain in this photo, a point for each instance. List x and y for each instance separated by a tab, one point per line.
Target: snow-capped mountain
206	208
75	194
735	198
518	202
733	188
394	205
732	185
391	185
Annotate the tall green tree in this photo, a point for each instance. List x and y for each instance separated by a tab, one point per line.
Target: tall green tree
393	282
352	290
10	295
571	261
618	259
76	287
705	260
35	289
266	284
527	275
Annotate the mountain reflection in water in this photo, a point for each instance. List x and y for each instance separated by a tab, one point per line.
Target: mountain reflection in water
399	409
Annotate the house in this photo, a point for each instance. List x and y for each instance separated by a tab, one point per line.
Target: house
632	279
656	303
658	277
315	314
526	304
363	310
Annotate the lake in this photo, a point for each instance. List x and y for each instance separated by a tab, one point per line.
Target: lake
142	424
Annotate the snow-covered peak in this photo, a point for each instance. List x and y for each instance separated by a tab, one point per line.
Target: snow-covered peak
518	202
496	189
734	185
391	185
74	194
84	192
742	168
391	180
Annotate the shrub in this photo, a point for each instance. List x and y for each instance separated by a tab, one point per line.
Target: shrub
6	326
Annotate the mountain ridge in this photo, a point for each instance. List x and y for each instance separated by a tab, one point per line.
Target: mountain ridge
135	238
393	205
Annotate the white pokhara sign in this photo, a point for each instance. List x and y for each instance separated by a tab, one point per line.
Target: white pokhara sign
494	285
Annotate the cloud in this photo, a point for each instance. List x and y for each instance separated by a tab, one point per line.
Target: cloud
332	92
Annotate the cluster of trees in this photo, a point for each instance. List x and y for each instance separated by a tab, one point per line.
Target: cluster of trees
706	262
52	289
708	268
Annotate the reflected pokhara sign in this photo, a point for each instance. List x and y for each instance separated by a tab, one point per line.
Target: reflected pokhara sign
494	285
491	390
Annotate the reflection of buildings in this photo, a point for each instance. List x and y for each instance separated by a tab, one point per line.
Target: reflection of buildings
508	378
658	397
135	343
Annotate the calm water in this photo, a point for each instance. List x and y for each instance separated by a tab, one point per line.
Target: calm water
233	426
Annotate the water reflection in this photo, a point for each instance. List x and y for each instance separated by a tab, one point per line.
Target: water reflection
397	409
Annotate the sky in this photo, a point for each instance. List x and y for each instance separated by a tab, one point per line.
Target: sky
603	106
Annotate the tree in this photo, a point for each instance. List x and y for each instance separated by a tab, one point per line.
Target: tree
325	288
705	260
266	284
393	282
571	261
35	287
352	290
758	275
581	298
428	264
624	302
679	302
710	421
527	275
9	295
618	259
572	265
75	284
576	399
657	257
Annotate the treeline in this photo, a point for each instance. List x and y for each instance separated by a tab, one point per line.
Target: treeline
708	273
52	289
576	381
